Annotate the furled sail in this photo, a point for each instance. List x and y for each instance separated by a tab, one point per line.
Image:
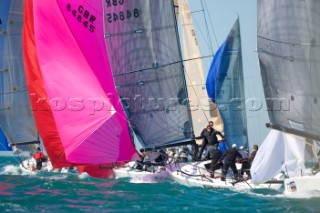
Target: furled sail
288	49
40	103
145	57
225	86
92	128
16	119
202	108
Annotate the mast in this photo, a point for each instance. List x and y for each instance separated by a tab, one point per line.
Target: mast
183	67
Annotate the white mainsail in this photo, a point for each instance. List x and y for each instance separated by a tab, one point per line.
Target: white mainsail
203	109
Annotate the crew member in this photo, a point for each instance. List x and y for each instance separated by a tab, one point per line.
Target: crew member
39	157
216	160
209	135
230	161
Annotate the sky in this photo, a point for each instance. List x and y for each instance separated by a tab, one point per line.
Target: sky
220	17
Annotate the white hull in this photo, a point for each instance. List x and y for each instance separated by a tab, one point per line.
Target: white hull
156	175
29	166
195	175
141	176
302	184
153	175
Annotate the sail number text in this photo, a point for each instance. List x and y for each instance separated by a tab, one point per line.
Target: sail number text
121	16
83	16
114	2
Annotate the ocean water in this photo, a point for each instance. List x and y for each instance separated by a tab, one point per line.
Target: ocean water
55	192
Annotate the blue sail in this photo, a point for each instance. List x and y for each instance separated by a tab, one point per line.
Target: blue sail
225	86
4	143
213	71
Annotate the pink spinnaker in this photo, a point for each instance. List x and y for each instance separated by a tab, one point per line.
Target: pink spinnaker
78	80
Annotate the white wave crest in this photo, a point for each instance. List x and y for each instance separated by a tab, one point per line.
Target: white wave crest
10	170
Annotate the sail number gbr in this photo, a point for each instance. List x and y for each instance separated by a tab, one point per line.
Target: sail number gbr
83	16
121	16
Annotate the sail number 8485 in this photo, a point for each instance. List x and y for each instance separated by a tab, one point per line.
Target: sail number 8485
114	17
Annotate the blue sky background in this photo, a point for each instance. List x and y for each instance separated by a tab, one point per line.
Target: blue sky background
220	17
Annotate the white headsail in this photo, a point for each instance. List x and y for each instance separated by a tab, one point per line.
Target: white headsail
203	109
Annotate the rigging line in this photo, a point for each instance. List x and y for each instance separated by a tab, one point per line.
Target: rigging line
211	24
191	175
193	88
208	33
283	42
307	143
310	77
197	11
152	68
204	37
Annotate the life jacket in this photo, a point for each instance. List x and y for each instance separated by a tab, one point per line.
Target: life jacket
38	156
41	155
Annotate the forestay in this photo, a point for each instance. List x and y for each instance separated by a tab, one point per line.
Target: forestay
145	57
